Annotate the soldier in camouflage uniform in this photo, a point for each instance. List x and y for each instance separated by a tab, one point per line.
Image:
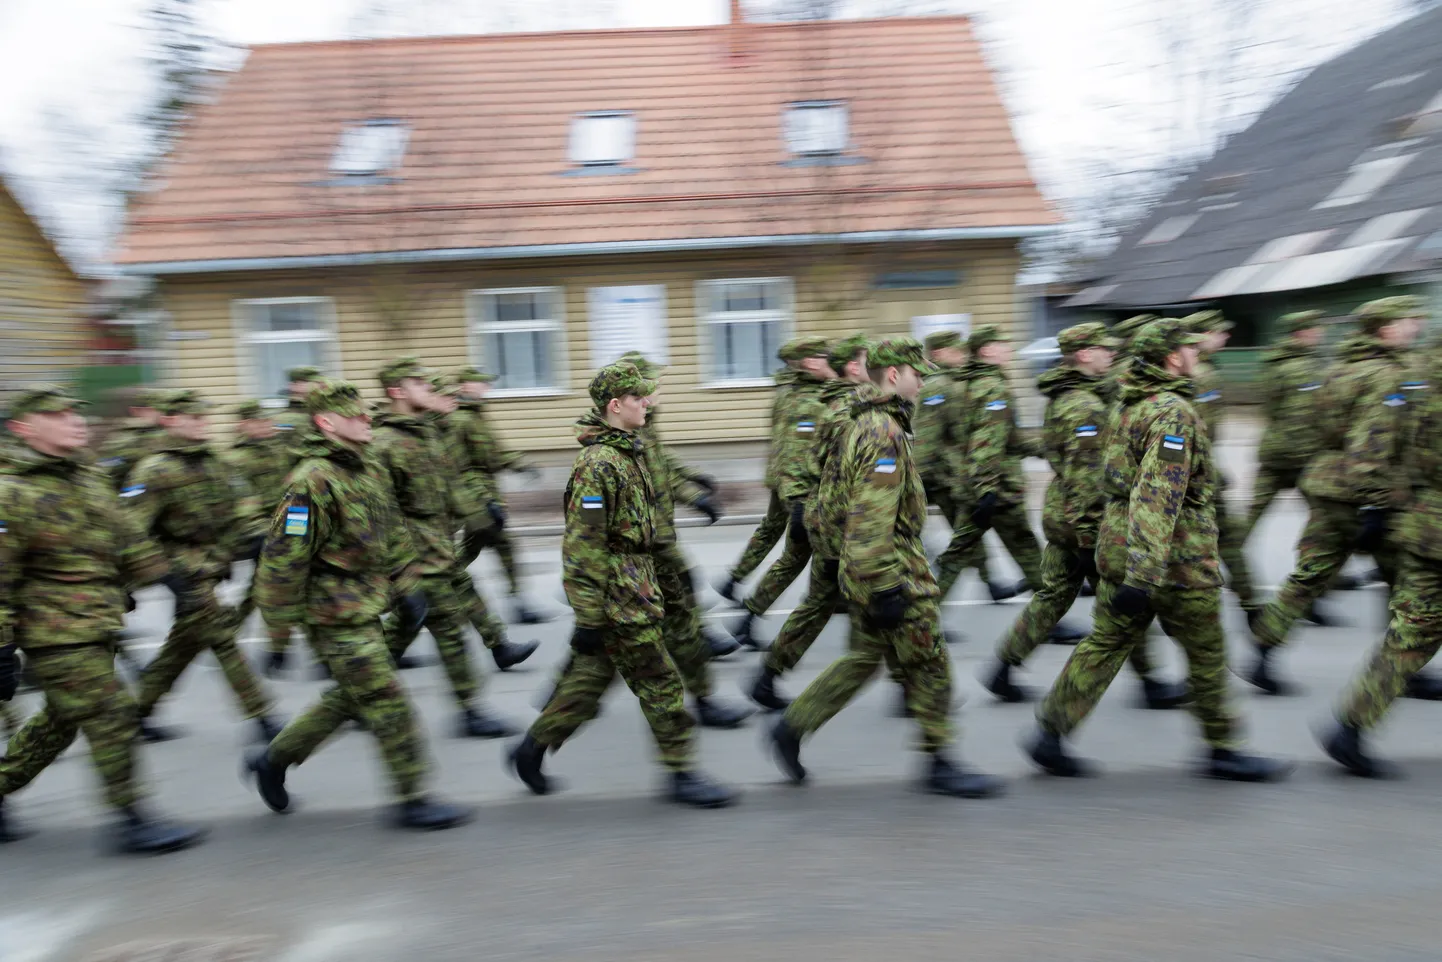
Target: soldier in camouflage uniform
609	574
1157	558
68	555
410	449
185	497
138	435
336	546
485	458
794	444
1354	485
1074	438
293	422
263	457
1415	631
876	513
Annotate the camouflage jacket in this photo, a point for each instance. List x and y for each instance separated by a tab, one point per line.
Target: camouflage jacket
335	542
68	553
939	444
881	545
607	566
1073	435
1418	530
1207	383
297	430
1362	417
194	505
413	455
994	444
826	509
796	441
482	453
669	477
462	495
264	466
126	446
1159	528
1291	381
785	381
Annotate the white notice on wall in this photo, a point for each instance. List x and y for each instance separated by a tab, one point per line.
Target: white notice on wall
924	324
629	318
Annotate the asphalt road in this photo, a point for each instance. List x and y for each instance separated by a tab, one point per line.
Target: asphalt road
1145	862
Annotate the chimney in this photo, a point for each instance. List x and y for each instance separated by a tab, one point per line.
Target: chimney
736	33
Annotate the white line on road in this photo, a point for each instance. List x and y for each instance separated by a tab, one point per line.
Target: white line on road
39	936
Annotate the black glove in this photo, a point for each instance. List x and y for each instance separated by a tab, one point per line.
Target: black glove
588	641
798	522
1131	601
985	508
888	608
129	602
251	551
1084	565
707	506
412	609
187	599
497	514
831	570
704	481
9	671
1374	528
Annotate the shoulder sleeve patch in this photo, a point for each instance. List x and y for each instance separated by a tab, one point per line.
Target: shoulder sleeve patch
132	491
593	510
1174	448
1209	397
297	520
934	400
1394	400
884	473
805	427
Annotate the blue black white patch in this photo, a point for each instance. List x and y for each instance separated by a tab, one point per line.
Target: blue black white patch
1209	397
998	405
297	520
132	491
1086	431
805	427
1173	442
1414	385
885	465
593	501
111	462
285	427
4	527
934	400
1394	400
1311	386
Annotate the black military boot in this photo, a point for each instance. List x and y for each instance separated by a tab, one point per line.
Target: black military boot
742	633
526	760
1424	687
945	777
269	779
718	644
1065	634
509	654
153	733
1163	695
726	588
763	691
1263	677
1345	583
1344	745
476	723
695	789
140	834
1088	590
1000	592
407	662
275	664
1051	756
524	615
9	831
1319	616
901	708
999	683
428	815
786	744
714	713
1234	766
952	638
267	727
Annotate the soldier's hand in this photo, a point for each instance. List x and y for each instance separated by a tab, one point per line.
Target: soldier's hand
497	514
1374	528
708	507
251	550
1084	564
798	522
704	481
985	508
1132	602
888	608
187	599
9	668
412	609
588	641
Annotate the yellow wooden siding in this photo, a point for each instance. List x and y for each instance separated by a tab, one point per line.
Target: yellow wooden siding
42	303
423	311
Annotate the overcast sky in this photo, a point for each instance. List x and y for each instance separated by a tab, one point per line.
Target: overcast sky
1085	79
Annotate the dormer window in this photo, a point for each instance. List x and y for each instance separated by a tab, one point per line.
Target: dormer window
370	148
816	128
603	139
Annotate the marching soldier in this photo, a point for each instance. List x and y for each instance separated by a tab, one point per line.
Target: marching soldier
68	555
335	546
609	573
1157	558
263	456
1293	373
299	382
135	437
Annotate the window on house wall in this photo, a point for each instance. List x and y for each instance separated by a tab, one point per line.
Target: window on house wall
744	322
816	129
603	139
518	334
370	148
277	334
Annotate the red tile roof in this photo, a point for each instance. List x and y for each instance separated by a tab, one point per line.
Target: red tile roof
486	166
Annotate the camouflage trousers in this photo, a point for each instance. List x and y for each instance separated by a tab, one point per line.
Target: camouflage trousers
491	629
941	496
279	635
446	618
1231	544
10	718
804	625
1061	582
500	540
639	656
82	694
1011	525
681	623
1413	637
366	688
201	623
921	660
763	539
794	558
1327	541
1193	618
1270	482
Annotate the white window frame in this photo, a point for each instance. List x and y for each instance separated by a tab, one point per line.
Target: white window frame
704	293
793	110
345	161
579	124
477	327
328	335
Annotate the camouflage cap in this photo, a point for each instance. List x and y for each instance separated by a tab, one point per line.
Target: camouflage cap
473	373
44	399
803	347
402	368
1207	322
620	379
900	352
251	411
847	349
305	372
1161	337
1377	314
1301	321
1127	329
937	340
443	385
986	334
334	396
644	364
182	402
1089	334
